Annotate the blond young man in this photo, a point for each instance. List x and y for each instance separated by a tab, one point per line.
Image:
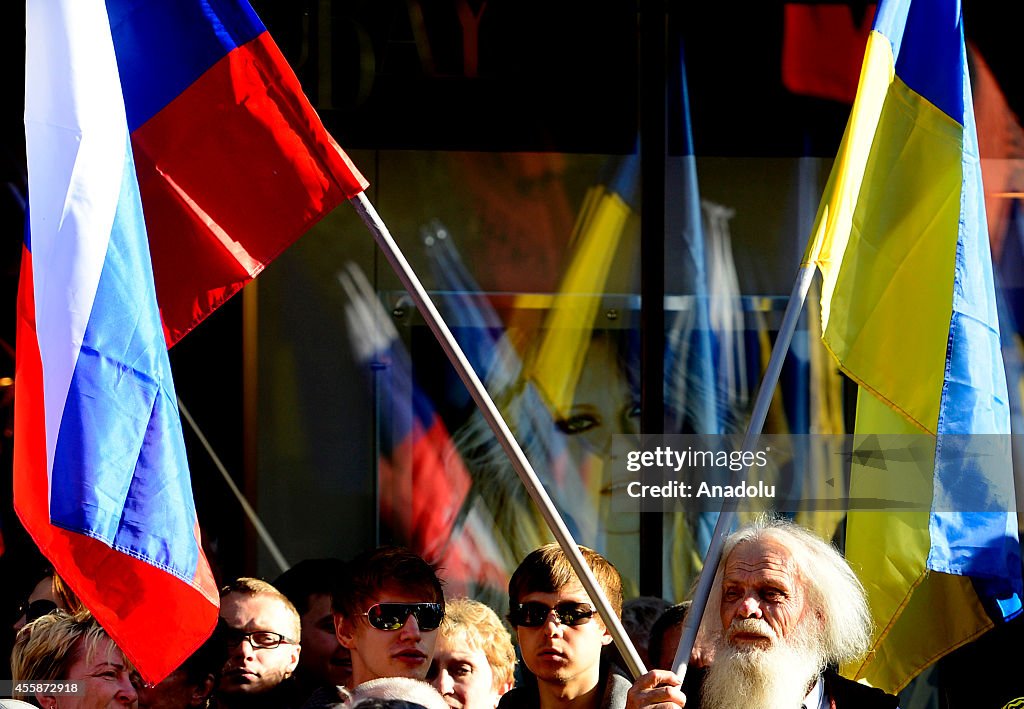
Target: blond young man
261	631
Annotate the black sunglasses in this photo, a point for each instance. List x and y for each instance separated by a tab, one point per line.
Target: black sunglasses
534	614
392	616
35	609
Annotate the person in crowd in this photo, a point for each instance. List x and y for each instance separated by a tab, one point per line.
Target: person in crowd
49	593
664	638
784	608
561	636
259	631
58	651
39	601
387	613
393	689
474	661
638	615
325	664
191	685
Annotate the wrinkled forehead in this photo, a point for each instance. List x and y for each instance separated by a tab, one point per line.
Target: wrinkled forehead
764	558
460	634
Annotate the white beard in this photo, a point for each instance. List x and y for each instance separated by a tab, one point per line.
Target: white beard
774	677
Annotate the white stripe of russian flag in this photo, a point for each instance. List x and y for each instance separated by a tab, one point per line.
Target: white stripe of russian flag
76	139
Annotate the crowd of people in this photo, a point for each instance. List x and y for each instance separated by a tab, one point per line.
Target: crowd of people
784	612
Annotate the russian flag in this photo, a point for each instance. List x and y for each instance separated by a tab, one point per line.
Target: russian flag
171	155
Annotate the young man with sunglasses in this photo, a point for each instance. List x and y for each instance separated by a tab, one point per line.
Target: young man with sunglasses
387	613
561	635
260	631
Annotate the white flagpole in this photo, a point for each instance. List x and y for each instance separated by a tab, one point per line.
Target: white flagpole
728	515
494	419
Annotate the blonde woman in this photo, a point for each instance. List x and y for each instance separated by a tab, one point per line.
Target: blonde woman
63	661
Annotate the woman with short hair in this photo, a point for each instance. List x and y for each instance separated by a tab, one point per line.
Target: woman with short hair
64	661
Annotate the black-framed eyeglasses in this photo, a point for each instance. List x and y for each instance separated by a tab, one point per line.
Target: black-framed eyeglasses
259	639
534	614
392	616
35	609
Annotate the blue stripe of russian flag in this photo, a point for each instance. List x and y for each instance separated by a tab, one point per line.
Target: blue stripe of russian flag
120	472
183	39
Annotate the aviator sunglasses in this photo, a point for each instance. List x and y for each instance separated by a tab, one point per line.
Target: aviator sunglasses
534	614
392	616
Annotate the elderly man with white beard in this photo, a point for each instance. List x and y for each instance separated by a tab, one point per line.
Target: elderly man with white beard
784	609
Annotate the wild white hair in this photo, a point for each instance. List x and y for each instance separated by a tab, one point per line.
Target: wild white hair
833	590
405	688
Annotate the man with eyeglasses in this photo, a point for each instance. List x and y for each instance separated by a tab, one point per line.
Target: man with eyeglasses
561	635
260	629
387	613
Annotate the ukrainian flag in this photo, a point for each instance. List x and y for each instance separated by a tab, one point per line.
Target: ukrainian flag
909	312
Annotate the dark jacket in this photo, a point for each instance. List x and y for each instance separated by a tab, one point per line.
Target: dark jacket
526	696
286	695
847	694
